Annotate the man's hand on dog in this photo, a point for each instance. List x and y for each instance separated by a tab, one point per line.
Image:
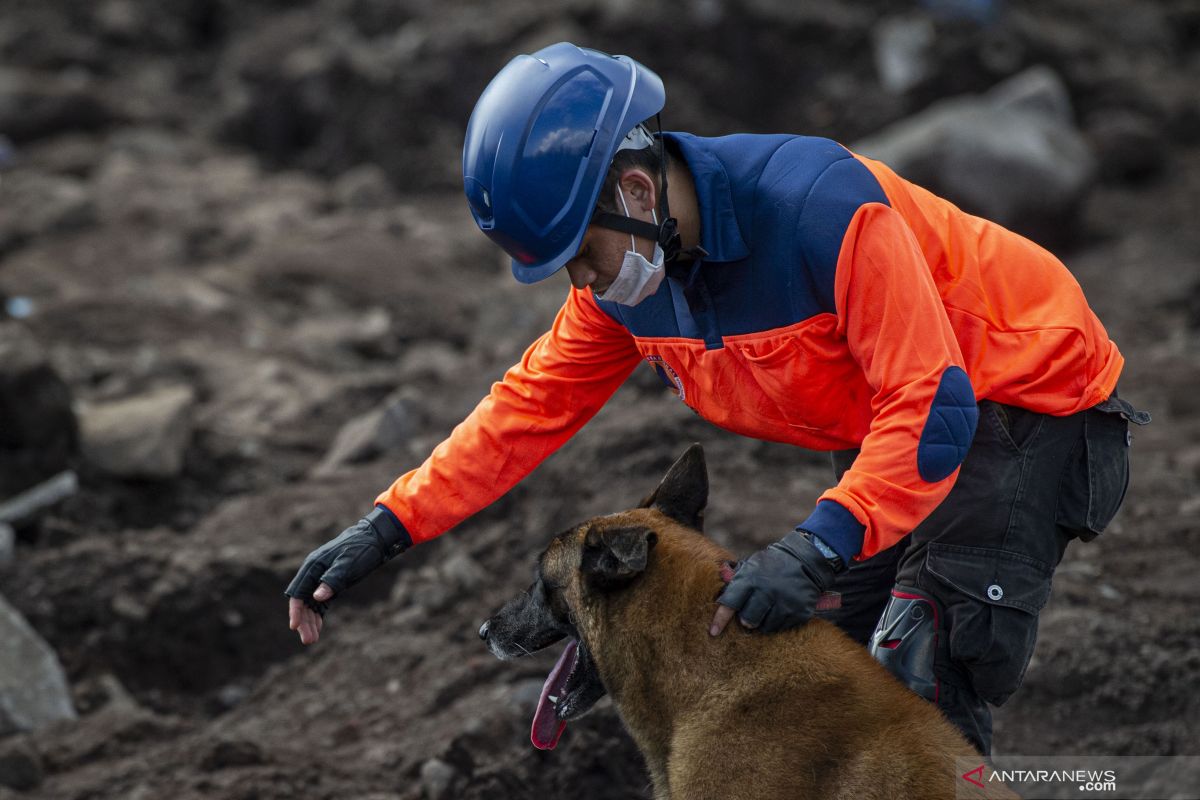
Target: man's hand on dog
776	588
339	564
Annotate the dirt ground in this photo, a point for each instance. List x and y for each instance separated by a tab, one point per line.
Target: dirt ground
259	201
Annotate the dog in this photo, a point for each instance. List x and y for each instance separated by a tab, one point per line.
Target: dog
806	713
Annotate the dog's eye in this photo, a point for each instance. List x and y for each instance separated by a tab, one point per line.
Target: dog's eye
558	606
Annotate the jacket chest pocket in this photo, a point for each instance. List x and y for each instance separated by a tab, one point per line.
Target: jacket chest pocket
808	383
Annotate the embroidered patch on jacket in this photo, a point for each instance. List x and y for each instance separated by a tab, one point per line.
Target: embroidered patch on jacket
668	375
829	601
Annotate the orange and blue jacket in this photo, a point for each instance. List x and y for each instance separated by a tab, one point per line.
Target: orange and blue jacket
839	307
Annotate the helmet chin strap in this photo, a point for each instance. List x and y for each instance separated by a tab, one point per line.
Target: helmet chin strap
667	232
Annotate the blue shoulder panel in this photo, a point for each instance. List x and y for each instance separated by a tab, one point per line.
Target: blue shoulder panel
774	211
835	197
950	427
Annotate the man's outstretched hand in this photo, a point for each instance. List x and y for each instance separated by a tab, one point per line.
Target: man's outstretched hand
339	564
303	619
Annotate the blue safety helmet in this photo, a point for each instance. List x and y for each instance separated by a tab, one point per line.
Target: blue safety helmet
539	144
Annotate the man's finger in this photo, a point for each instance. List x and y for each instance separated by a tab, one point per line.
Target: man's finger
720	620
323	593
308	628
296	609
300	619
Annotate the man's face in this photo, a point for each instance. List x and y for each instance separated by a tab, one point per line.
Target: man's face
598	261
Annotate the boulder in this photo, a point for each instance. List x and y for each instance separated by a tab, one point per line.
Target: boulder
437	779
144	436
380	430
1012	155
228	753
33	687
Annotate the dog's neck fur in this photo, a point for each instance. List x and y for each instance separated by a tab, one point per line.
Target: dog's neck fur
651	685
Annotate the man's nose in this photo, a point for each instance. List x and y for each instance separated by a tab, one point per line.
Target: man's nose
483	630
581	276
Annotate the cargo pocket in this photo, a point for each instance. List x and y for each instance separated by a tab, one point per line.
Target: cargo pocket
991	599
1096	475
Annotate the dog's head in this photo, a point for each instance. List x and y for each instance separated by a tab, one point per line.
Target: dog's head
589	562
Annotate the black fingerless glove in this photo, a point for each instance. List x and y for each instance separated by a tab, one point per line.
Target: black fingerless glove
777	588
356	552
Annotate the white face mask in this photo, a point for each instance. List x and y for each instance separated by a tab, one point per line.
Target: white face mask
638	278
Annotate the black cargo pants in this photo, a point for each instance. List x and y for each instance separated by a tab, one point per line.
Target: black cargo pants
985	557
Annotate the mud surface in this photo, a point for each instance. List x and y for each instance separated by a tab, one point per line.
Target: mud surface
258	201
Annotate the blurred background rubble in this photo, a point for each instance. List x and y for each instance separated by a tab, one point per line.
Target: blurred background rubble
240	293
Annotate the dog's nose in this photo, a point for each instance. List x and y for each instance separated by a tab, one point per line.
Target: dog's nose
483	630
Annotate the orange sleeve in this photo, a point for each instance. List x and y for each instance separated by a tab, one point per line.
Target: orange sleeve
923	407
561	382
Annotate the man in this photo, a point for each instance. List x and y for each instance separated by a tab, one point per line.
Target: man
788	290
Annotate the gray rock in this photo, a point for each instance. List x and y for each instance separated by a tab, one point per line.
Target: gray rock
902	45
330	337
232	695
364	186
378	431
1011	156
230	753
32	502
37	205
139	437
462	571
432	360
1037	90
437	779
120	19
33	688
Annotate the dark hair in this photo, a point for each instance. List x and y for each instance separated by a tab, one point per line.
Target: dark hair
646	159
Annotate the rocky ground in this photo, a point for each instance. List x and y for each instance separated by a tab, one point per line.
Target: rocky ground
243	293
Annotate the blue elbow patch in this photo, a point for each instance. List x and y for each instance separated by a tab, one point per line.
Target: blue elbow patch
950	428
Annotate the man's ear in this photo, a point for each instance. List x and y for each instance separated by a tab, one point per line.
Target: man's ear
683	492
640	187
616	556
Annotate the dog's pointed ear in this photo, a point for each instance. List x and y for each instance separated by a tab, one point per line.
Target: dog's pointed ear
683	492
616	556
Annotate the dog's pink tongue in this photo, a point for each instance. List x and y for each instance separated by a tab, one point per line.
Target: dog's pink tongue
546	726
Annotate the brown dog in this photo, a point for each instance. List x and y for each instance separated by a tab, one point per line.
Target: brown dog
802	714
